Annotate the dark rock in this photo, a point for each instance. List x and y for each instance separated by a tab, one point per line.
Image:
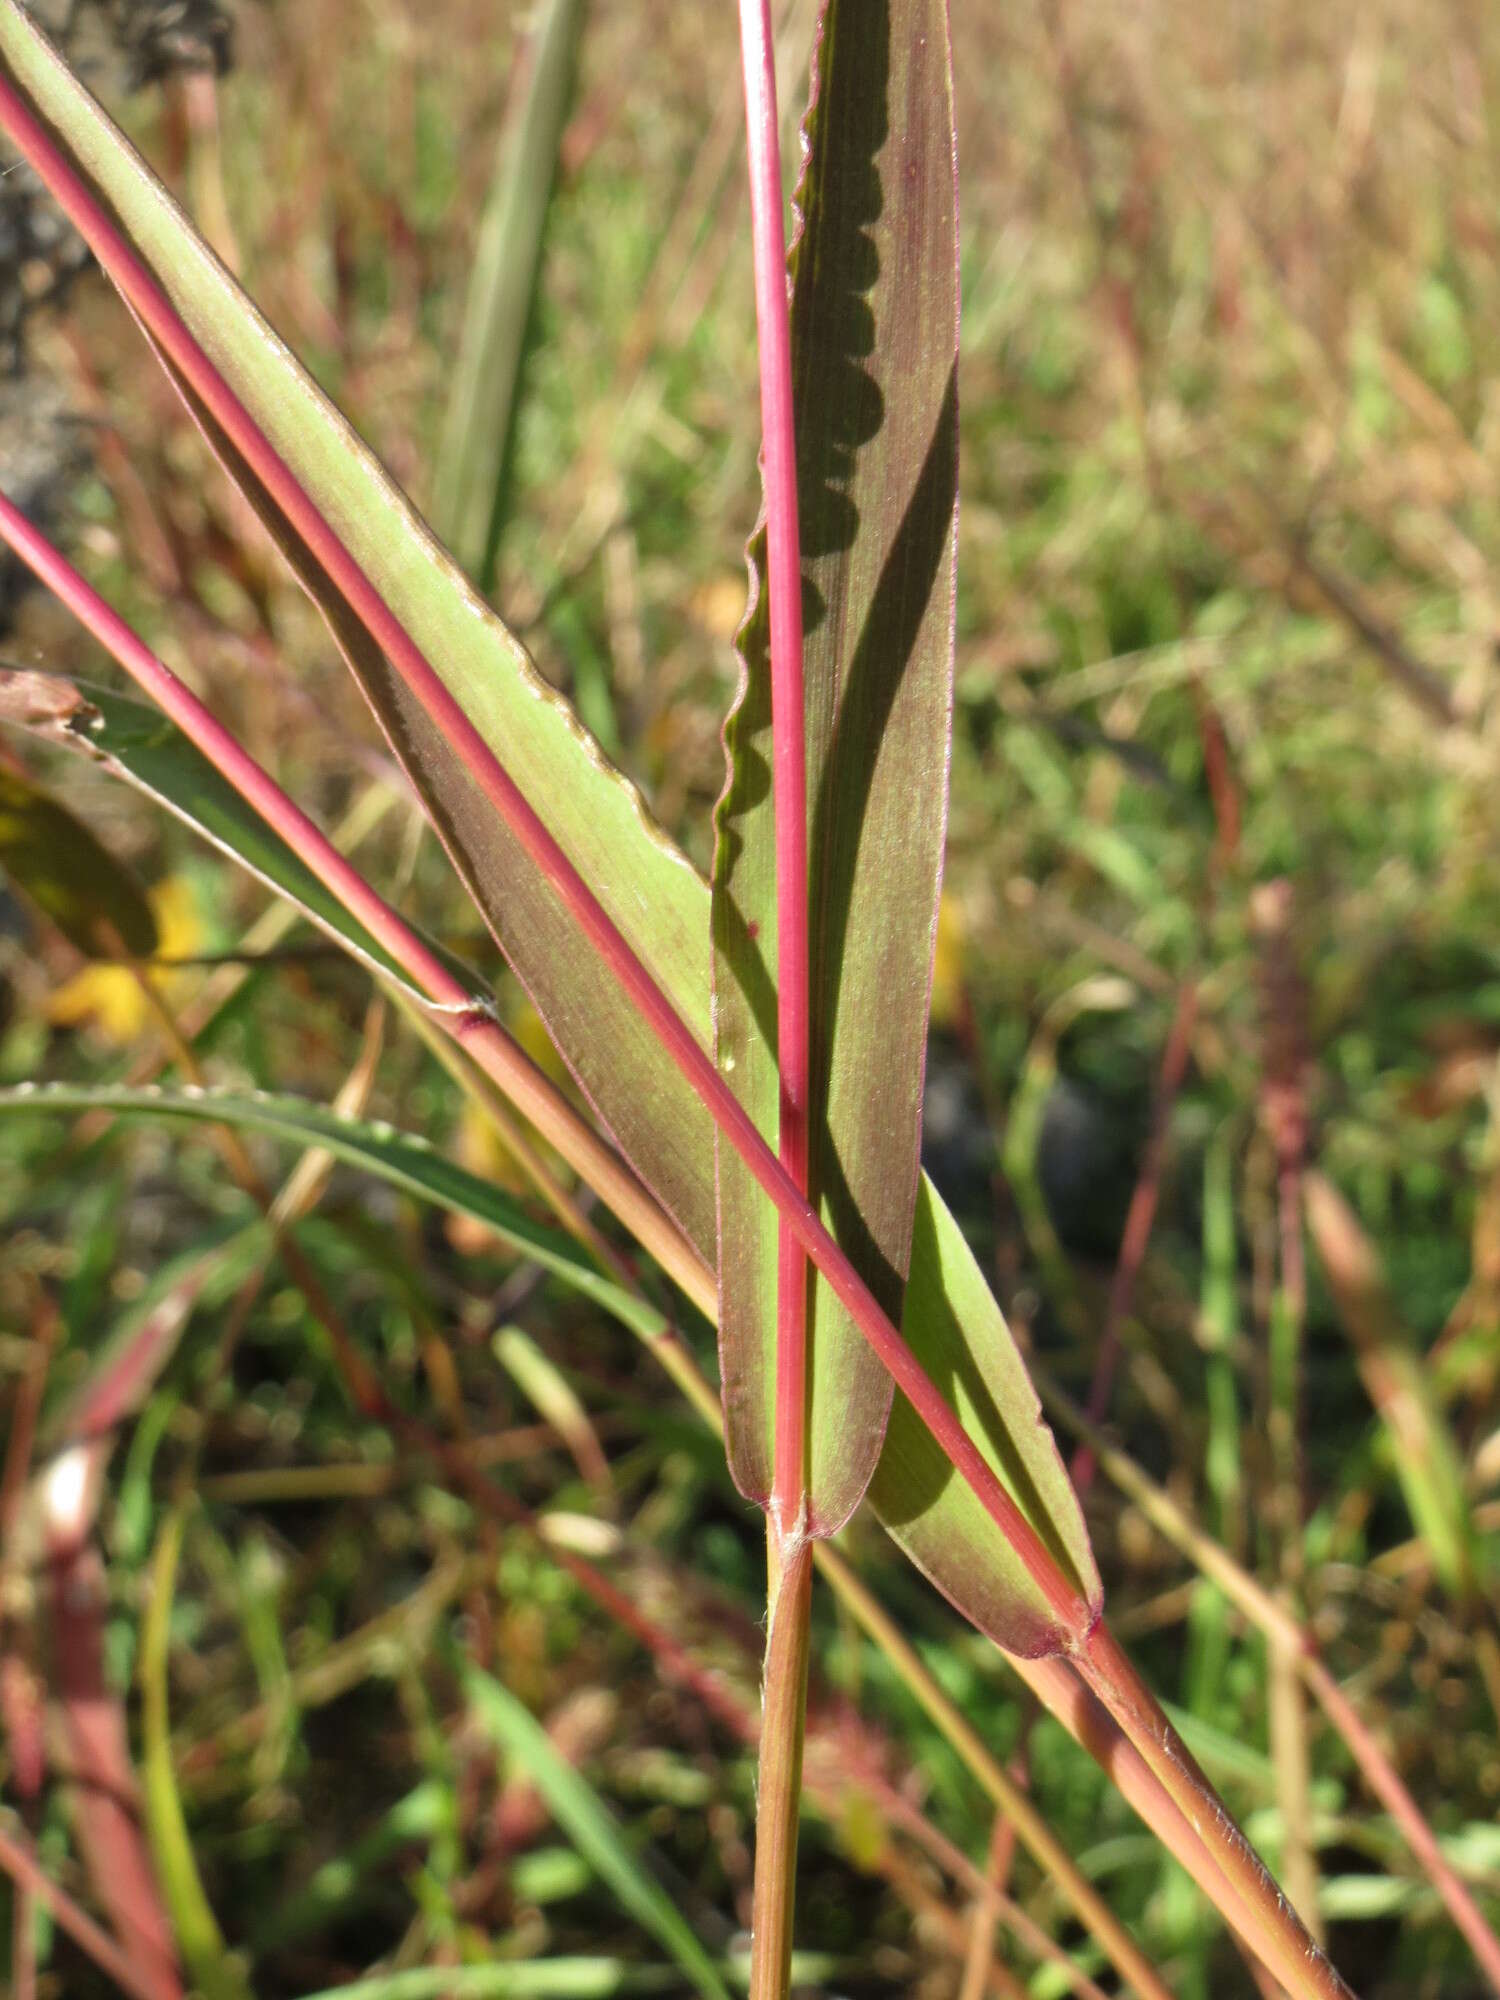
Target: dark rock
1088	1153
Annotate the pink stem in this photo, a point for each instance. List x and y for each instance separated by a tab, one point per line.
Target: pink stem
789	747
19	1860
151	305
253	784
260	790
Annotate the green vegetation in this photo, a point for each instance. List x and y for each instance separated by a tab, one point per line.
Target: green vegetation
459	1667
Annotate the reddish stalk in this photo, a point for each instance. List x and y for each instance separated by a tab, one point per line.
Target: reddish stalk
105	1811
788	1553
1280	1937
19	1861
789	746
467	1021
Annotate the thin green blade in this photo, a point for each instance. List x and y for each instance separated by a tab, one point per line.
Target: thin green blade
502	291
71	877
874	349
216	1973
400	1158
1425	1454
578	1809
136	742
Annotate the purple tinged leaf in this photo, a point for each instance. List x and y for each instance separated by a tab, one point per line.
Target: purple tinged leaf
650	890
644	883
874	349
71	877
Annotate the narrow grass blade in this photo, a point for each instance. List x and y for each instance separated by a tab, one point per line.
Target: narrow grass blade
874	333
954	1324
130	1361
553	1396
538	1979
411	1823
73	879
139	744
648	889
502	292
1426	1459
397	1157
580	1812
647	894
215	1973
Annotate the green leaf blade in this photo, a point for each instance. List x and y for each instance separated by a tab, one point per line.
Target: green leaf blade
68	873
958	1333
647	886
400	1158
581	1813
501	295
874	350
137	743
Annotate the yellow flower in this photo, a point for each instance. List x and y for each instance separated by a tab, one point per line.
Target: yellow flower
109	998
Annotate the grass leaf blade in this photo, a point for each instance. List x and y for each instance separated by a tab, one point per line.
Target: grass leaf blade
401	1159
139	744
579	1811
502	293
874	347
215	1974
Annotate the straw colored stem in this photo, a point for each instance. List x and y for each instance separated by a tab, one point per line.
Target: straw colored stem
1283	1631
779	1793
1276	1934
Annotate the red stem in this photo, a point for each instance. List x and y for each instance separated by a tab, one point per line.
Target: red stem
19	1860
254	785
151	305
789	747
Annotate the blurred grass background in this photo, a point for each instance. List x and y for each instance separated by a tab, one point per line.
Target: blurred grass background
1230	406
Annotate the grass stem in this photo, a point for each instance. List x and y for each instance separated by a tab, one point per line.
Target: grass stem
778	1798
789	746
1275	1932
788	1554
